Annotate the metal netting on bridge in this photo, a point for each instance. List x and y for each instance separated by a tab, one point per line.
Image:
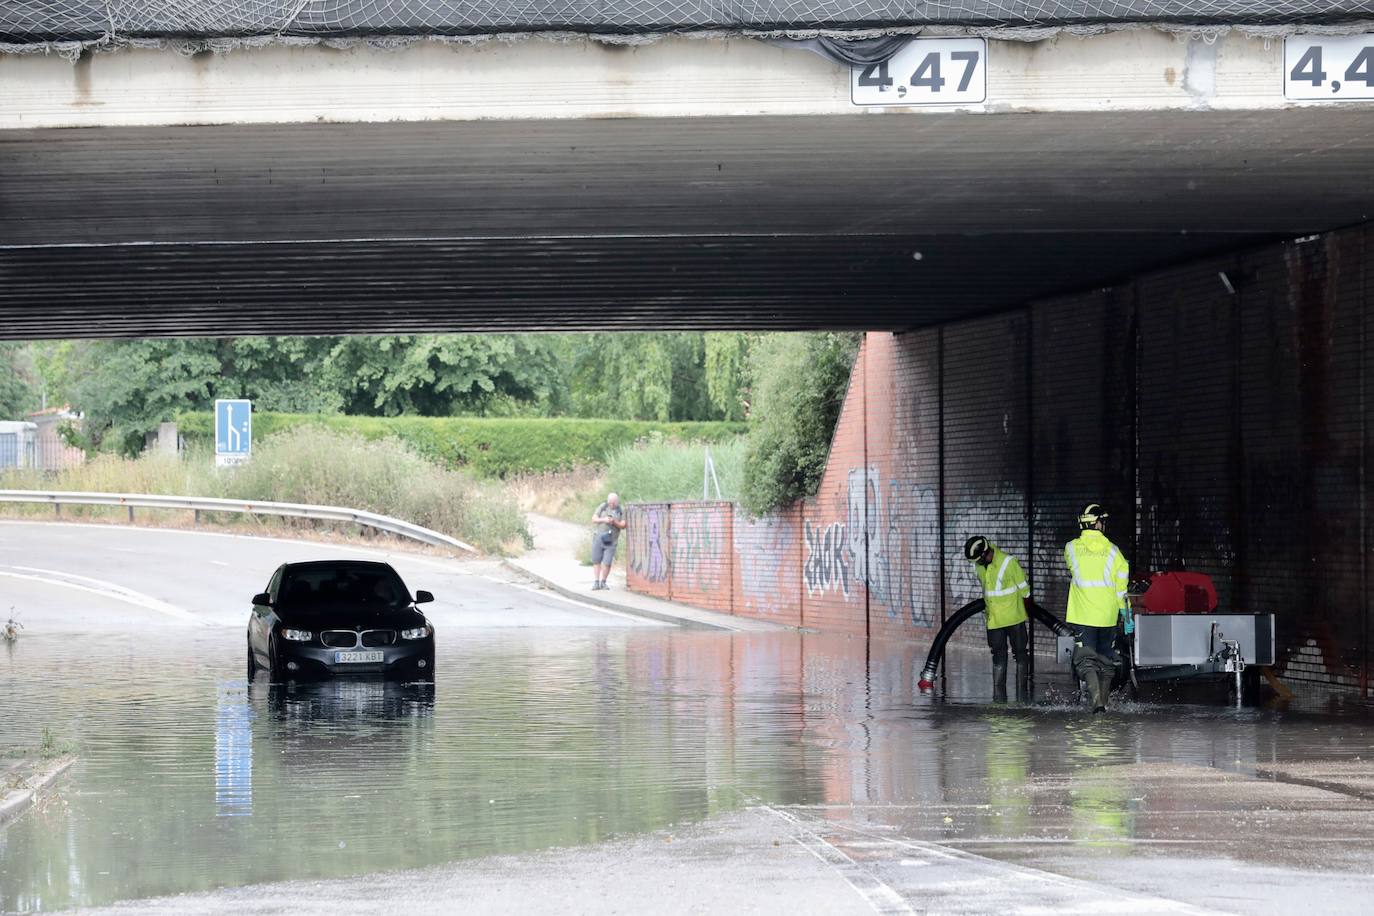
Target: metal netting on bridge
54	21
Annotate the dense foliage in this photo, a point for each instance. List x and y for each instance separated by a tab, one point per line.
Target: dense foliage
802	381
18	392
125	388
488	446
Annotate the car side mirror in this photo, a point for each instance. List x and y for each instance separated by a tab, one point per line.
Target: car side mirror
423	597
263	598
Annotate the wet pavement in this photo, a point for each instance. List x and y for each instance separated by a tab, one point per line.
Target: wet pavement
786	772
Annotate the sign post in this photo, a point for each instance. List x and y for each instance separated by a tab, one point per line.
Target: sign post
233	432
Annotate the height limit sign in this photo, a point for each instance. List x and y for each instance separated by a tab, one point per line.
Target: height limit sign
233	432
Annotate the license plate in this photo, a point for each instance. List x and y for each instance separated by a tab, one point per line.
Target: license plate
1328	68
343	658
928	71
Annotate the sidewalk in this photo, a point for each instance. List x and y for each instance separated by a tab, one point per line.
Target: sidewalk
554	563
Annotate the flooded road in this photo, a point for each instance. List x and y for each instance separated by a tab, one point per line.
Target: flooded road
191	779
566	750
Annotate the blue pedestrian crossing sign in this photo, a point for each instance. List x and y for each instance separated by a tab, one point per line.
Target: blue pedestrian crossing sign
233	431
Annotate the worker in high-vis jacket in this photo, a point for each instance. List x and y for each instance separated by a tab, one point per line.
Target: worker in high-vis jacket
1097	599
1006	600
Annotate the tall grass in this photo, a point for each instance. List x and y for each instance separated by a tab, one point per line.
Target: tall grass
319	466
663	470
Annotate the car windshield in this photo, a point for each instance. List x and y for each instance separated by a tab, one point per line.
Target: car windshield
326	586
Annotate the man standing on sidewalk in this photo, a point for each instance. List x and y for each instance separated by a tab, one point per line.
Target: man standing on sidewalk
609	519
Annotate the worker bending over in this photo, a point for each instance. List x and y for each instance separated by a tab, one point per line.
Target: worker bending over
1006	597
1097	597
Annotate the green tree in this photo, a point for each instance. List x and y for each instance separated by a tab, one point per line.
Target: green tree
800	384
665	376
729	374
126	387
18	391
285	374
440	375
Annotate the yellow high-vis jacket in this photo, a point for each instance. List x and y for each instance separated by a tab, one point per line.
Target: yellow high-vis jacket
1004	588
1100	575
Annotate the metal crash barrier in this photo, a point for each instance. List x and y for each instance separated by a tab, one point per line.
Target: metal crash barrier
199	504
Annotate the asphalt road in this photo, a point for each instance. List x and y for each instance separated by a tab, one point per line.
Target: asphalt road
570	759
57	578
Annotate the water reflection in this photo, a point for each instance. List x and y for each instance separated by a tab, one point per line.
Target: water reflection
233	751
190	779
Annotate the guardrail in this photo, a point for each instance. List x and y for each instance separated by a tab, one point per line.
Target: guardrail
198	504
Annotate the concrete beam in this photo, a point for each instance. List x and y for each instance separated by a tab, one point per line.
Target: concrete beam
1135	69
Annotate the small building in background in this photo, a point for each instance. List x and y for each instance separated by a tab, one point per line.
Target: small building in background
17	444
51	452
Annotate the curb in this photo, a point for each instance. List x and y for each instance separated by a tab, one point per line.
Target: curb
20	800
660	616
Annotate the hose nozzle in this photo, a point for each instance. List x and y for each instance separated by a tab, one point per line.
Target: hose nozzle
927	681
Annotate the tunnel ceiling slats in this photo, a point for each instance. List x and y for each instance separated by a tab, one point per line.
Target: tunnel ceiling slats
777	222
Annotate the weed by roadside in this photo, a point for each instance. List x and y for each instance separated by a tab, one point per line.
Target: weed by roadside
306	465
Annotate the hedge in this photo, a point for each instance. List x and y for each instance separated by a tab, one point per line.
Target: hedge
490	447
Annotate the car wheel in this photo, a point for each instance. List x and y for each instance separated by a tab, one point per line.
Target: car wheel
274	665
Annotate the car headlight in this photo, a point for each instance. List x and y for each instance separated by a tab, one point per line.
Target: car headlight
297	635
417	632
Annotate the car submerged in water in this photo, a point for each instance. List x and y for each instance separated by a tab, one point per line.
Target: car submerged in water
331	617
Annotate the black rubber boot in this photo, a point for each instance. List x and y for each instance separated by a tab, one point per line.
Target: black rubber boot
1022	682
1102	692
999	682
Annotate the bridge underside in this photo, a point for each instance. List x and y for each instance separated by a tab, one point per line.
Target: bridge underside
879	222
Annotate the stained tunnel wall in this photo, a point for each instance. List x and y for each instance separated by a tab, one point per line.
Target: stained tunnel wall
1227	430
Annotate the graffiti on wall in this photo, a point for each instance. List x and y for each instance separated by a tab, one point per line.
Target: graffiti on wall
889	542
828	560
764	546
646	535
698	548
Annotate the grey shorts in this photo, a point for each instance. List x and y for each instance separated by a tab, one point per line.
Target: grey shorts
603	554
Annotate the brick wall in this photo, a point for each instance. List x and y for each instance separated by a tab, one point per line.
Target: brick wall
768	566
702	568
649	548
1227	430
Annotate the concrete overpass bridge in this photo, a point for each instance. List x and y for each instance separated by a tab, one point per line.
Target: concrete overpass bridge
1127	255
204	171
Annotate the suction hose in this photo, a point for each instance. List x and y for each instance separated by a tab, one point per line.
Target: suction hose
937	648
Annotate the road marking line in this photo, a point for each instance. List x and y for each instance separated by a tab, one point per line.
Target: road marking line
550	593
437	562
1127	902
105	590
867	885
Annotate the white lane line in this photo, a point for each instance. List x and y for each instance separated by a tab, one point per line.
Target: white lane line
447	567
436	562
1093	897
549	593
867	885
103	589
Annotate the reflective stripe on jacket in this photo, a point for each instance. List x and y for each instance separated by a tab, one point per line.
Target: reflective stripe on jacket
1004	588
1100	575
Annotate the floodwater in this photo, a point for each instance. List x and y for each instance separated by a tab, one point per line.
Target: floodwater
189	778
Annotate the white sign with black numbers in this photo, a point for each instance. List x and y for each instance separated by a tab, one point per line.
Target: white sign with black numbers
1328	68
928	71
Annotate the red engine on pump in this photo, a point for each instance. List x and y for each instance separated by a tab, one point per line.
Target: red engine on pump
1178	593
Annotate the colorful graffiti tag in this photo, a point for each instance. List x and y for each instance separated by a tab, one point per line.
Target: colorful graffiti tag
888	543
765	549
647	532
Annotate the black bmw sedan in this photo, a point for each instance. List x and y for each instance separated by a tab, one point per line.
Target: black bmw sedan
339	617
